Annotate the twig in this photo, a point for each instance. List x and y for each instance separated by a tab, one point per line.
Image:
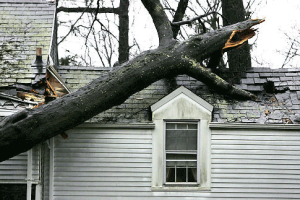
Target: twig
96	13
196	18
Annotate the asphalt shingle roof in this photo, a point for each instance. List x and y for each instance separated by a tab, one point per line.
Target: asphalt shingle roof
281	105
24	26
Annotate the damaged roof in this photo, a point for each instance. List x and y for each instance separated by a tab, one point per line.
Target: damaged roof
27	78
24	26
278	92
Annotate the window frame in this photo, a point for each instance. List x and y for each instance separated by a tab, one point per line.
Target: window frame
185	184
181	105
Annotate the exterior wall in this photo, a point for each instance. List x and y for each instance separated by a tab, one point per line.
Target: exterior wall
14	170
110	163
102	162
255	164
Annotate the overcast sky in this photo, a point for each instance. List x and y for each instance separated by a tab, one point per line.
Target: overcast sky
282	17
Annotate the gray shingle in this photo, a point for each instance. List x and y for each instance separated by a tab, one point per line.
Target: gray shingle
273	79
252	75
260	80
254	87
265	74
286	78
247	81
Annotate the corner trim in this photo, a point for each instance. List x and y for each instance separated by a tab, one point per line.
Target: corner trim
215	125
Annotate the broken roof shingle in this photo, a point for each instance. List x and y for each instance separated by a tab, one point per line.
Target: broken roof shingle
269	108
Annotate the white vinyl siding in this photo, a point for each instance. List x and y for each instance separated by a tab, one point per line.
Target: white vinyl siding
14	170
102	162
256	163
116	164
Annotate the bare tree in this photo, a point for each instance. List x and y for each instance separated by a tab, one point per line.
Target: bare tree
293	50
94	25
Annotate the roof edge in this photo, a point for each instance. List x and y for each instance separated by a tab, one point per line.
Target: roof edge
215	125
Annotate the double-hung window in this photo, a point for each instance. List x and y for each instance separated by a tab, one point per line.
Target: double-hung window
181	159
181	142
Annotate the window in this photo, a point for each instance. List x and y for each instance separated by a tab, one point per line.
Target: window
181	155
181	142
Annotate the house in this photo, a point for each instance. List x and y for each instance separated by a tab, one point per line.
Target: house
190	143
179	141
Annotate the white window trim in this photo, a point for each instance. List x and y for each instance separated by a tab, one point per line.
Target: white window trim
200	111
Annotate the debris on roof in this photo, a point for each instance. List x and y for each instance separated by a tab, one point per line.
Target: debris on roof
26	80
280	100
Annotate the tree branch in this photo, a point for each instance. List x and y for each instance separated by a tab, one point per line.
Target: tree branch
195	19
88	10
21	131
160	20
181	8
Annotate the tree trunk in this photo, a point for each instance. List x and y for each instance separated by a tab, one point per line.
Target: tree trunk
123	31
21	131
239	59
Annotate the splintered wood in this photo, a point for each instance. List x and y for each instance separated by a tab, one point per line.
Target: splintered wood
239	37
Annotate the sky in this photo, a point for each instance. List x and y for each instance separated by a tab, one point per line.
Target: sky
282	16
269	45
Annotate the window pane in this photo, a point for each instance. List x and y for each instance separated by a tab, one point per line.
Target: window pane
182	163
170	126
170	176
192	126
188	157
181	140
192	174
181	174
181	126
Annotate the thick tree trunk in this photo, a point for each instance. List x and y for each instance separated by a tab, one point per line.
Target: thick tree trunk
123	31
239	59
21	131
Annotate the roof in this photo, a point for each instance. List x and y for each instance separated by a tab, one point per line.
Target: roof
24	26
278	92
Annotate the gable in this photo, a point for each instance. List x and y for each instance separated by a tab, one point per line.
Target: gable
182	104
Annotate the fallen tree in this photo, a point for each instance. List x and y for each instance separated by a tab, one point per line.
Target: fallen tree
23	130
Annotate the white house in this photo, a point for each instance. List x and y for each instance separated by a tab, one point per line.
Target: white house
183	142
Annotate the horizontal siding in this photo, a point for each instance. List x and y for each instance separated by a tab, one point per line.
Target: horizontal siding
102	160
116	164
258	164
15	169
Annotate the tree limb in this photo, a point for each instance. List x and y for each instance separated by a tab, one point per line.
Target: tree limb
160	20
21	131
88	10
195	19
181	8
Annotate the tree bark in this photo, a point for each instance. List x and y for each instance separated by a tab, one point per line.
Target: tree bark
239	59
21	131
181	8
123	31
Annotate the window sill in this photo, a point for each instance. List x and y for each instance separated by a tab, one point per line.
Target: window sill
179	189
